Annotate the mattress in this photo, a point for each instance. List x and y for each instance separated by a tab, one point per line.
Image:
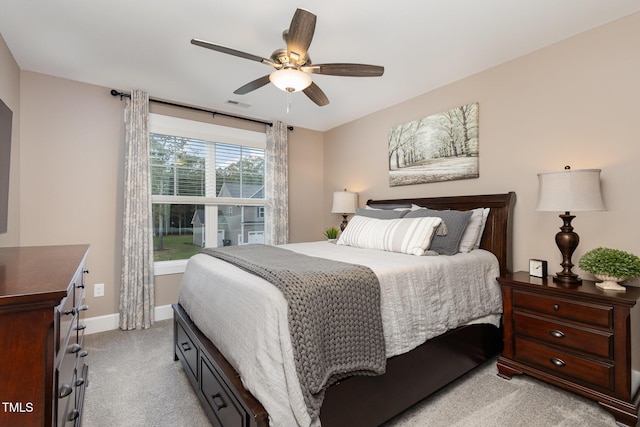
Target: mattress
246	318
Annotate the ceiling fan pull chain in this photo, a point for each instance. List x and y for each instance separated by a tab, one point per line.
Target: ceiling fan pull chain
288	102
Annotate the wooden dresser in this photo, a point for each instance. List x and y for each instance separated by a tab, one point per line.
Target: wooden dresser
575	337
42	363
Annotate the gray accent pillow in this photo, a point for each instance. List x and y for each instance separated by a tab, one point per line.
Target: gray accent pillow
456	222
380	213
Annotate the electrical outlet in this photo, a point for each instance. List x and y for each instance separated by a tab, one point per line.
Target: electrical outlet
98	290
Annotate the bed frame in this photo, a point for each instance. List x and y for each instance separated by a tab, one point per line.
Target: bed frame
361	400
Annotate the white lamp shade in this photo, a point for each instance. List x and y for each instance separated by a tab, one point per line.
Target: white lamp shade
344	202
570	190
290	79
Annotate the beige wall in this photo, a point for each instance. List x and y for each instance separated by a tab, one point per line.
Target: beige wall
573	103
10	95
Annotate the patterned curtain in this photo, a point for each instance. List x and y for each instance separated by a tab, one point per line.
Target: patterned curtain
137	289
277	185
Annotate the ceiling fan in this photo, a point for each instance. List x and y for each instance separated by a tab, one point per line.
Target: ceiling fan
293	64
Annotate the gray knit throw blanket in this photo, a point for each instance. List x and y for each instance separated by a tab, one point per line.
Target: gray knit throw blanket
334	314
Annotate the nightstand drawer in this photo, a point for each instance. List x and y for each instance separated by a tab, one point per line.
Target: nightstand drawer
584	312
564	335
564	364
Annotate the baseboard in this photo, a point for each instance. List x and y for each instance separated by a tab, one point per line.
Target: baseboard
110	322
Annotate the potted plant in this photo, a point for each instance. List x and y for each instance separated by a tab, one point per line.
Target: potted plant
331	234
610	266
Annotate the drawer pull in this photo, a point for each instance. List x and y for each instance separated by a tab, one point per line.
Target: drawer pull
79	382
80	286
73	311
65	390
558	362
556	333
83	307
556	307
80	327
74	348
74	414
185	346
218	401
83	353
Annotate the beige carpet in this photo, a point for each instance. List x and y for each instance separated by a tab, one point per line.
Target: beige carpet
133	381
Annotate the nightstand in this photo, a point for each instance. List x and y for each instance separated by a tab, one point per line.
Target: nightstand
575	337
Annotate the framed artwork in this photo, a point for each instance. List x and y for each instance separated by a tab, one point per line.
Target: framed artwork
440	147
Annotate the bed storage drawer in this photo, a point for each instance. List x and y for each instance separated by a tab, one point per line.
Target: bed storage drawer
220	402
187	349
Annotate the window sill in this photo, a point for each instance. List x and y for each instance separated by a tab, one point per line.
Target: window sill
161	268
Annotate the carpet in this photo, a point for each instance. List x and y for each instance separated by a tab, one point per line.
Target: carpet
134	382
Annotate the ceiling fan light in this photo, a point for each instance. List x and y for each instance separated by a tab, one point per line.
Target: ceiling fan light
290	80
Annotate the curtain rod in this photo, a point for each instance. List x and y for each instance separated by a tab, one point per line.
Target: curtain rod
189	107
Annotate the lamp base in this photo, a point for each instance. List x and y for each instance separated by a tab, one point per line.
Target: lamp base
344	222
567	242
567	279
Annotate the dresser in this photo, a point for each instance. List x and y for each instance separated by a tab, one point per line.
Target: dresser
42	362
575	337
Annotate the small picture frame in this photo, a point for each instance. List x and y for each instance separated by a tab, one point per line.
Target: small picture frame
537	268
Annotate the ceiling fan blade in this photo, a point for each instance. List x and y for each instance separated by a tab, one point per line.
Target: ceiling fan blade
233	52
316	95
348	70
251	86
300	34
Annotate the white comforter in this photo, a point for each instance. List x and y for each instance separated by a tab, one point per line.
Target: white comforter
246	318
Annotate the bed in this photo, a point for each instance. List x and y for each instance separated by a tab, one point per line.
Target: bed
357	400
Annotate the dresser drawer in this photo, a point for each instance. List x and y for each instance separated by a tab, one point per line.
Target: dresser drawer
220	402
564	335
564	365
595	314
188	351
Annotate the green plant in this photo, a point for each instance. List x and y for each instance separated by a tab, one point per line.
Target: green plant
612	262
331	233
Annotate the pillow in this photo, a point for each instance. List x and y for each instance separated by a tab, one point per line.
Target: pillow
485	215
456	222
410	236
472	232
380	213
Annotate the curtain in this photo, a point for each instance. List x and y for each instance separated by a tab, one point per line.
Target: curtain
277	185
137	288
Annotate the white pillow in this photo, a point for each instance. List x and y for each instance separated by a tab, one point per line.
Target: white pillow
485	215
473	233
405	235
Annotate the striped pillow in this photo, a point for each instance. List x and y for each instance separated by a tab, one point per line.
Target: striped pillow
405	235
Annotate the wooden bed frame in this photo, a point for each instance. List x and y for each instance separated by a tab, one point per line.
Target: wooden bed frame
361	400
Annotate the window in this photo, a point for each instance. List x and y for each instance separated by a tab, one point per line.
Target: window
207	186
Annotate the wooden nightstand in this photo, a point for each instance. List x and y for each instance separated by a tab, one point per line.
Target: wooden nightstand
575	337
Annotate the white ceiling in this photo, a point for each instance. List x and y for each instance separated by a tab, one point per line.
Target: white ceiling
423	44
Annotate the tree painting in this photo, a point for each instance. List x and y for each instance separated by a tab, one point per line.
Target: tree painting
440	147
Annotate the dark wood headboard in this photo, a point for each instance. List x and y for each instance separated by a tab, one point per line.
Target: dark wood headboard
498	231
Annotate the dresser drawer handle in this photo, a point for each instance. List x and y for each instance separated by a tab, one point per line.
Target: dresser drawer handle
79	382
185	346
558	362
83	307
556	333
556	307
73	311
83	353
74	414
80	327
218	401
74	348
65	390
